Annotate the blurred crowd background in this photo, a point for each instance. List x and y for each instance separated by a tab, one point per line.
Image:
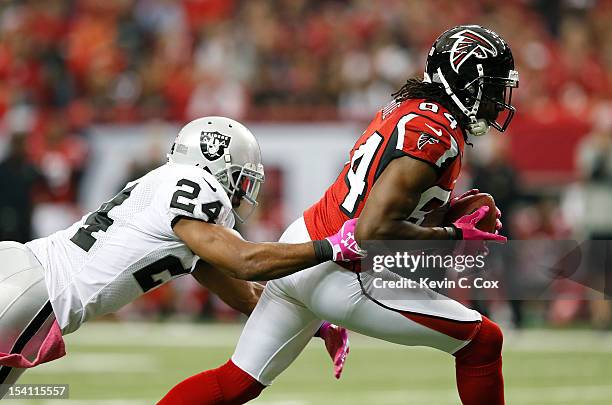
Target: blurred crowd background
67	66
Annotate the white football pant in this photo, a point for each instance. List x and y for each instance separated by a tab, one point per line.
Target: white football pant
291	309
26	315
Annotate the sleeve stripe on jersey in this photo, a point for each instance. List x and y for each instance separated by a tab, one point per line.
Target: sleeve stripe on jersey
401	126
449	154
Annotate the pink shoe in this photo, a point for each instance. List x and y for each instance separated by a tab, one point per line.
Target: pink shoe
337	345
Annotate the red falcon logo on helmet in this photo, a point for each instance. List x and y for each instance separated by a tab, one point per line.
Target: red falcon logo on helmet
469	43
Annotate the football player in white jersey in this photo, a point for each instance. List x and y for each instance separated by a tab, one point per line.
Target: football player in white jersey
175	220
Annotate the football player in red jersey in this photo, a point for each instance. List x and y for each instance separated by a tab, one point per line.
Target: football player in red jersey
403	166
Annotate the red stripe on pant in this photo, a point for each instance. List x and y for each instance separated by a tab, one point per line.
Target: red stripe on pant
460	330
478	365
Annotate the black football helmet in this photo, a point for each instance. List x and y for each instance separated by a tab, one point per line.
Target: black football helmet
475	67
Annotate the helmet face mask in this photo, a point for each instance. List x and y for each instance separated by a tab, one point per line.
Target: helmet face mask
495	105
476	69
227	150
242	184
501	105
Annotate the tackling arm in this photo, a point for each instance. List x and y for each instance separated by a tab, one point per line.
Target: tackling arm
393	197
237	258
238	294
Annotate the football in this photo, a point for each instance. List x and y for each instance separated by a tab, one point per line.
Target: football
470	204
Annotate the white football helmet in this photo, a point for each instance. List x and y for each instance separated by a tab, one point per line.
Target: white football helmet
226	149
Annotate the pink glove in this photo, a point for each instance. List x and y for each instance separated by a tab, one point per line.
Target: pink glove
336	343
466	227
344	245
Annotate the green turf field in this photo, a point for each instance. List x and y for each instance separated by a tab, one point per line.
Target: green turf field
133	364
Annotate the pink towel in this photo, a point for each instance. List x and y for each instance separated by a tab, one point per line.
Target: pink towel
51	349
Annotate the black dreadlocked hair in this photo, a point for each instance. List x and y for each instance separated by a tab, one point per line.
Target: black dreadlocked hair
417	88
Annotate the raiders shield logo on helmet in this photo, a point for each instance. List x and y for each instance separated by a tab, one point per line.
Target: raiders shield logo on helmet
213	144
425	139
468	44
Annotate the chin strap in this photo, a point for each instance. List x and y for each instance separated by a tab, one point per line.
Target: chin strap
479	128
476	127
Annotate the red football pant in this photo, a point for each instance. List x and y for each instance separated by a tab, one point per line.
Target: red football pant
227	384
479	367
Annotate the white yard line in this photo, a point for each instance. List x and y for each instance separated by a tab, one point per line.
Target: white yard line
101	363
105	402
223	336
545	395
83	401
567	394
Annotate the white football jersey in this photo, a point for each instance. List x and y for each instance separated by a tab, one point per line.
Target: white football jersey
127	247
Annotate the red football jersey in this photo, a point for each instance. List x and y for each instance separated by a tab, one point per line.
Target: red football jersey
421	129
